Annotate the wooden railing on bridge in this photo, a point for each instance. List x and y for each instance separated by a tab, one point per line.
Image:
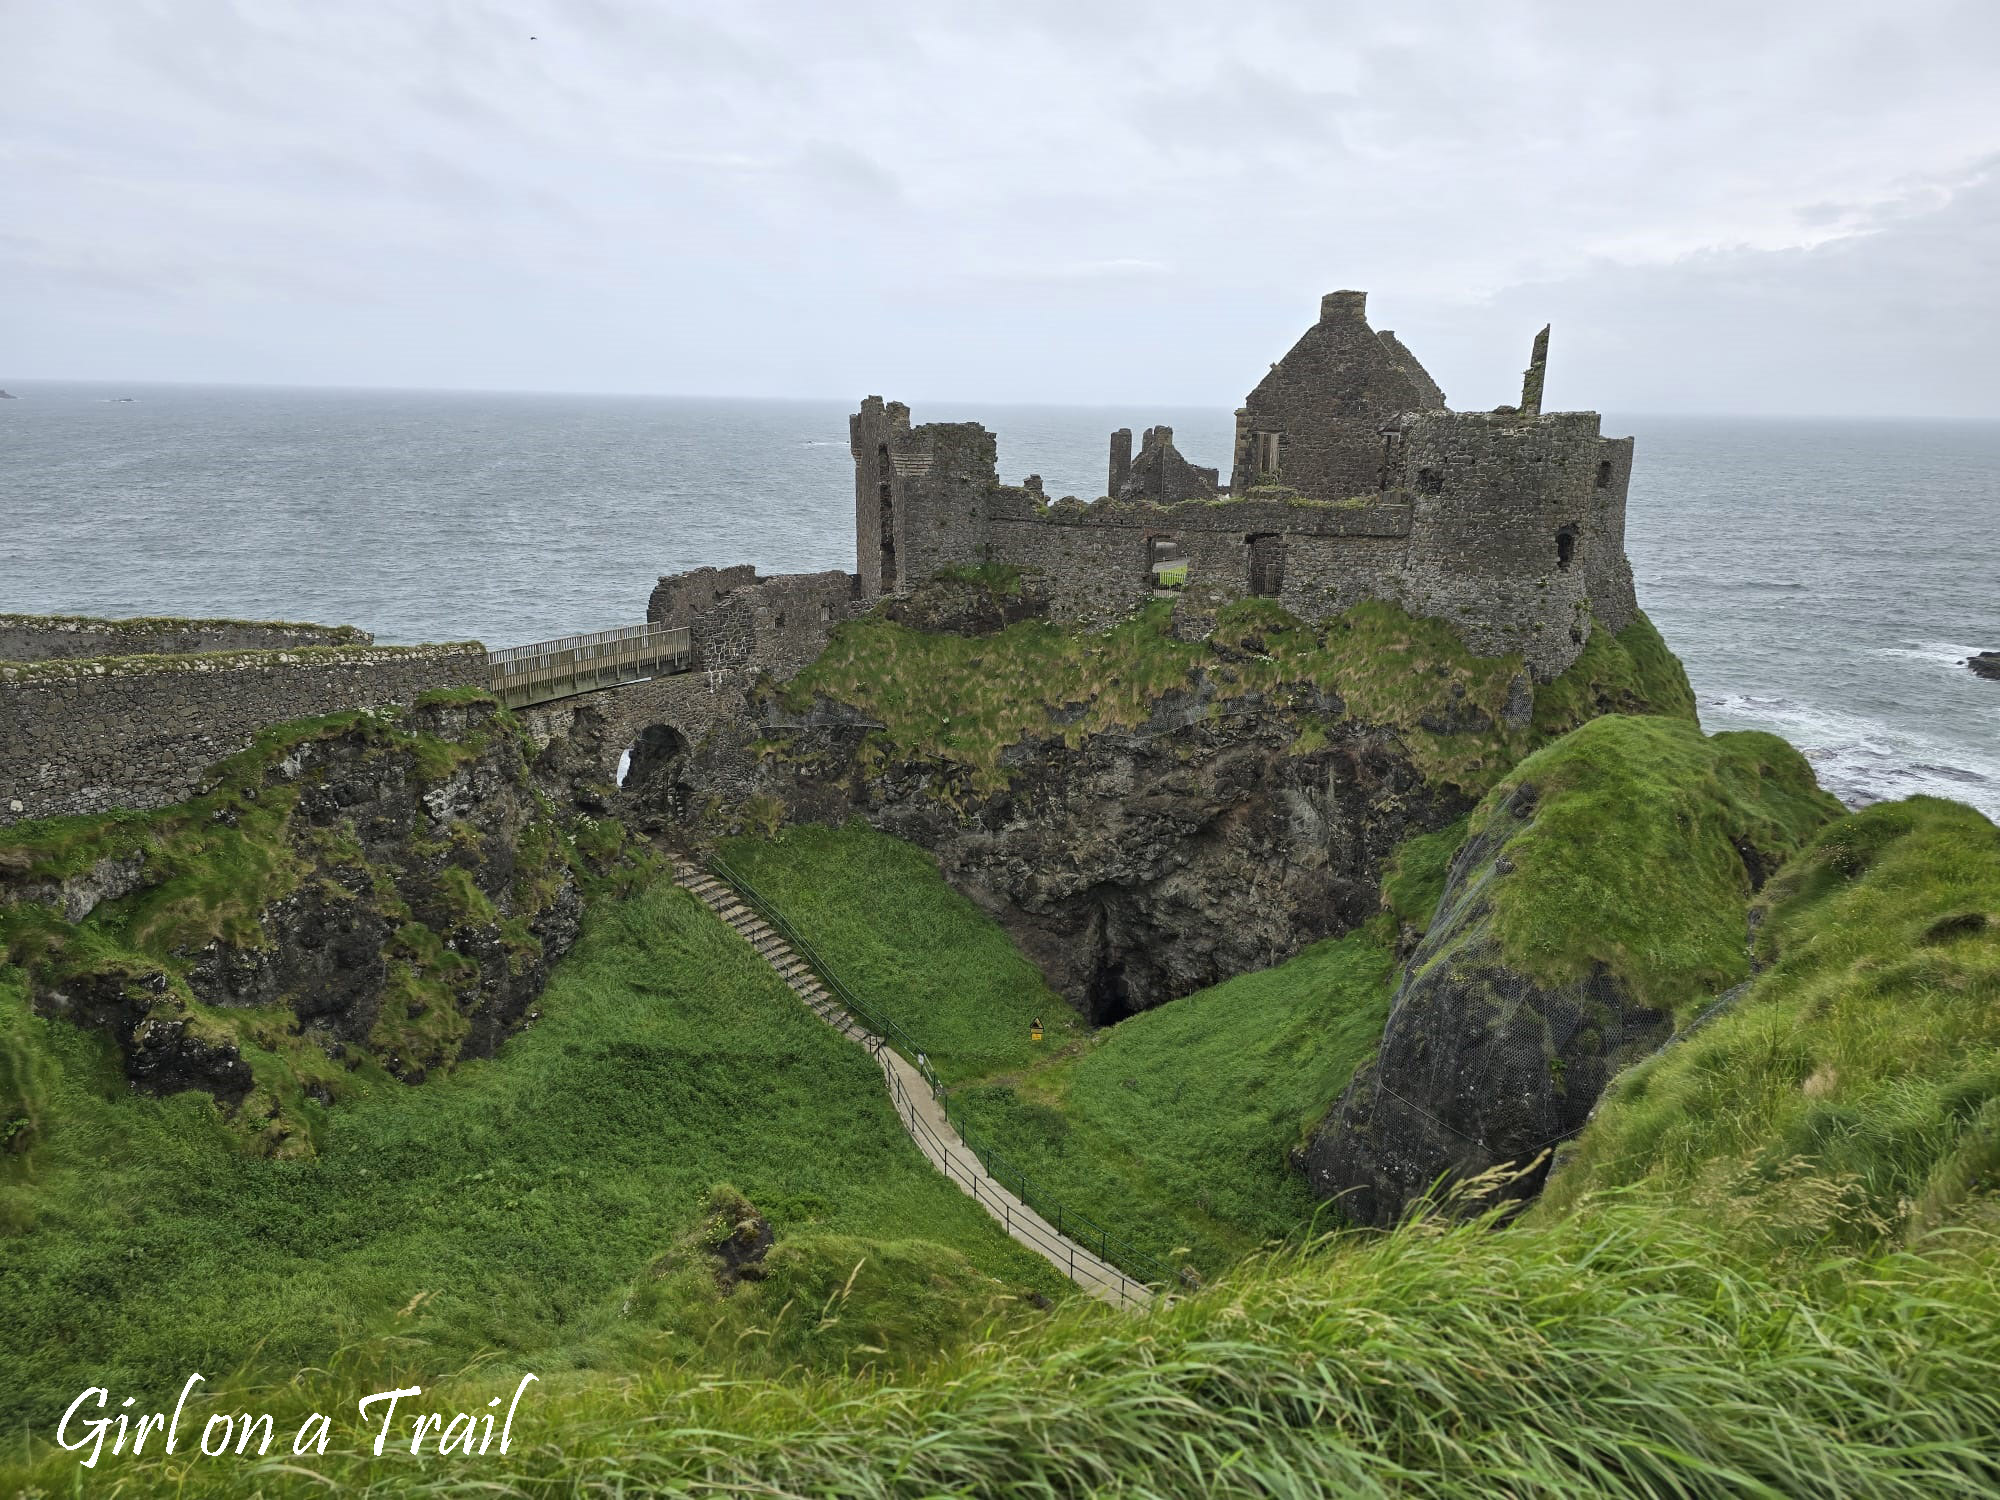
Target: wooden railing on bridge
522	675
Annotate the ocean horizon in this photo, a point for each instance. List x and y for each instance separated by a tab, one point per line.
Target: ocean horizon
1819	577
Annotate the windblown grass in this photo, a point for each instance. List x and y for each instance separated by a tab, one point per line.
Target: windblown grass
504	1212
1632	1354
1854	1091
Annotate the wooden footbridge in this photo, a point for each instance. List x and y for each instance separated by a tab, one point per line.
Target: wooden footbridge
571	664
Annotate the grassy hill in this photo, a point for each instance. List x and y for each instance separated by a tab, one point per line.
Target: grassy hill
1172	1127
503	1214
1852	1091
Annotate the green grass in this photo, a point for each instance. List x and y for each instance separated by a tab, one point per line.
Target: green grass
1854	1091
1629	1355
881	915
1171	1128
1415	877
503	1212
1636	855
1175	1125
964	701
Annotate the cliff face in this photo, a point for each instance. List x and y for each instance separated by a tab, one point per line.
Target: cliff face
1198	792
373	890
1600	899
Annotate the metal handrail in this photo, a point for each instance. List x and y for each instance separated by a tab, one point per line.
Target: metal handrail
575	642
1076	1227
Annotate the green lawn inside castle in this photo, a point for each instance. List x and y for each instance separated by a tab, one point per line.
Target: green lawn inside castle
1767	1263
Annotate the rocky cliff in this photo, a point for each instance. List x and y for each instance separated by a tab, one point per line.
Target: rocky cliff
1599	900
1195	793
371	890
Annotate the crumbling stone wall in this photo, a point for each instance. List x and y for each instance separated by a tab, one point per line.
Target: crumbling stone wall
1506	514
141	731
737	620
1159	474
62	637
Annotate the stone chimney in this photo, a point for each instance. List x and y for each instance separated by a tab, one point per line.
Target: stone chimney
1342	307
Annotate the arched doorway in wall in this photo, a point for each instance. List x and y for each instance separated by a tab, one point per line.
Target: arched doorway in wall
1166	563
885	478
655	773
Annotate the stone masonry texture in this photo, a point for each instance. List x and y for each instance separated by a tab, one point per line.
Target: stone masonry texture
141	731
48	637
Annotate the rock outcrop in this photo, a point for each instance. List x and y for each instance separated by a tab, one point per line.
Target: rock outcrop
1602	896
390	888
1986	664
1481	1067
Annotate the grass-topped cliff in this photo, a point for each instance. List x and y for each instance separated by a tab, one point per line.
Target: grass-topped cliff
1853	1090
1463	718
1767	1266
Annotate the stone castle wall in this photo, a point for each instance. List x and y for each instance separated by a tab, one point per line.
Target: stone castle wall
64	637
142	731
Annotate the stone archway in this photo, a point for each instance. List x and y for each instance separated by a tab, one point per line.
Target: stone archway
655	779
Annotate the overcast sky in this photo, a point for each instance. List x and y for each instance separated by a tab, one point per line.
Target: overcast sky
1748	207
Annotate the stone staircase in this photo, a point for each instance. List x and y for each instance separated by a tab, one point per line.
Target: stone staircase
922	1115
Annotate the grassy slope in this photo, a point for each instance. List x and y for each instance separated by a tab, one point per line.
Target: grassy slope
508	1207
912	947
1174	1125
1856	1088
1171	1127
1622	1355
965	701
1632	858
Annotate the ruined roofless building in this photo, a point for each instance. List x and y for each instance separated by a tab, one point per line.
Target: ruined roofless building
1350	480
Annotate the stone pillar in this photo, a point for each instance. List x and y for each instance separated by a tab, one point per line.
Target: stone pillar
1121	460
1532	377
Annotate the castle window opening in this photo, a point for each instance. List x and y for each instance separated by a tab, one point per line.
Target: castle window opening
886	498
1604	474
1565	550
1267	564
1267	453
1166	564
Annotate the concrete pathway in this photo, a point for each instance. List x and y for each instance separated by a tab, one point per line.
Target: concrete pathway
922	1115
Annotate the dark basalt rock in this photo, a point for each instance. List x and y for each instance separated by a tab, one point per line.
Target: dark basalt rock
1480	1067
162	1054
1142	864
407	882
1986	664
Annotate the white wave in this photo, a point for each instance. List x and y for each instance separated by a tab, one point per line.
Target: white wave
1937	653
1862	760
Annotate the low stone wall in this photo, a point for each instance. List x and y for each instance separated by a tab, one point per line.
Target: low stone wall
141	731
64	637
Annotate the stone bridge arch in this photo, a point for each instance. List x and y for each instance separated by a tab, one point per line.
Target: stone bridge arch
653	731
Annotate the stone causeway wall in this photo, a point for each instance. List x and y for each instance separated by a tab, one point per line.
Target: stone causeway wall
138	731
61	637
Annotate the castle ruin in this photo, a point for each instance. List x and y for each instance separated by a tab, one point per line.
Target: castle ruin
1350	480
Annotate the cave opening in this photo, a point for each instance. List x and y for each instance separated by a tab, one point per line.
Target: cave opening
1107	999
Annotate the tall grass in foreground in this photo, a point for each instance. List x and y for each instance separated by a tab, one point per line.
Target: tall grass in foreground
1628	1353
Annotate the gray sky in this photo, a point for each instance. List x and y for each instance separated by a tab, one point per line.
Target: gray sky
1751	206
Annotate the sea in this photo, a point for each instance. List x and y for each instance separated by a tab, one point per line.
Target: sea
1821	579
